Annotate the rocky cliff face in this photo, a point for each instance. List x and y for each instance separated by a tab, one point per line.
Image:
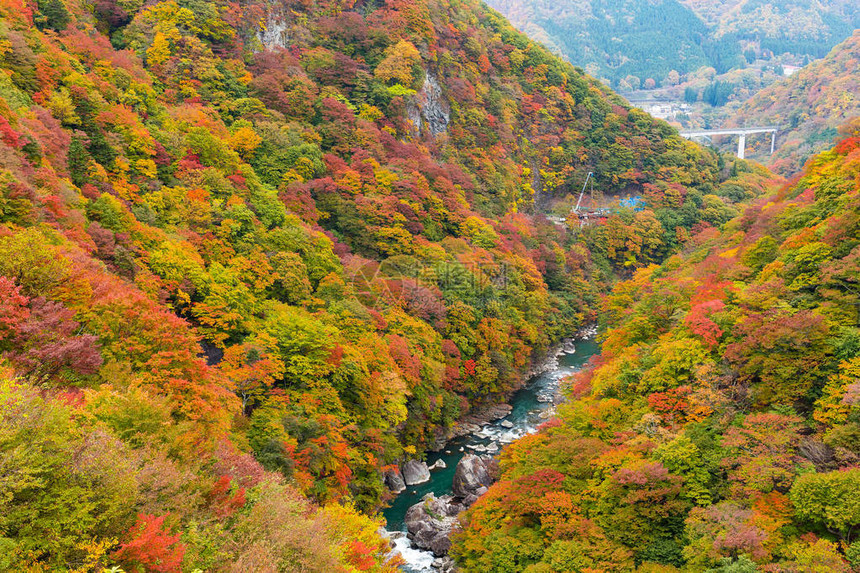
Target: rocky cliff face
275	32
430	522
429	111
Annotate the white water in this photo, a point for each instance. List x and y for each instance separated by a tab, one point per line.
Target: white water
417	561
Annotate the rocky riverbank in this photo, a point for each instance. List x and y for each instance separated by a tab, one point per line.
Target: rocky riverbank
472	422
430	521
426	524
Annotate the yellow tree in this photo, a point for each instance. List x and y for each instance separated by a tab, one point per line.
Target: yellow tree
397	66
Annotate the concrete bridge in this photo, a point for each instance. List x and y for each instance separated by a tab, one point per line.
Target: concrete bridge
740	131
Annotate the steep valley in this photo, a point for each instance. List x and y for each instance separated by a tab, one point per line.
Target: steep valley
256	258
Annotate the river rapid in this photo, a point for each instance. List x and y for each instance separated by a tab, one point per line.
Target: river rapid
531	406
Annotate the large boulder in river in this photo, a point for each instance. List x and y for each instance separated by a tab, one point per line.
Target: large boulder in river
470	476
438	465
415	472
394	481
430	521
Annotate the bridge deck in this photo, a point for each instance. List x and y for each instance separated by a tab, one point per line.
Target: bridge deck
728	131
743	132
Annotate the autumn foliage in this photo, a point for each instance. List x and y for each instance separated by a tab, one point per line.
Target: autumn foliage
252	255
151	547
718	431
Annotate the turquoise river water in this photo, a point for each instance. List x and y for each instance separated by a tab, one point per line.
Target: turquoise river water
526	416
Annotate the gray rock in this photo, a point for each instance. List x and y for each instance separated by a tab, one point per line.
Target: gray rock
471	474
501	410
430	522
274	33
470	428
443	564
438	465
415	472
506	424
394	481
429	109
440	544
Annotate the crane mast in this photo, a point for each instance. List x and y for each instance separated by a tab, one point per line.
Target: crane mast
582	193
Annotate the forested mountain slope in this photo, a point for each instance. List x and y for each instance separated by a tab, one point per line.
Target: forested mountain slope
254	254
812	25
637	41
614	39
719	429
808	106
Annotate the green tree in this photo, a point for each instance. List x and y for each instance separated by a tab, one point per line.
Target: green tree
829	500
62	482
682	457
691	94
52	14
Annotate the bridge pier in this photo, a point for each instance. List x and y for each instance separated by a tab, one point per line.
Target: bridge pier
742	143
772	141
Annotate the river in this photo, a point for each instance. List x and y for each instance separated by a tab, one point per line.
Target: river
528	405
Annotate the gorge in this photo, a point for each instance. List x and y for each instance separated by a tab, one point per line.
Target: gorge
259	258
531	406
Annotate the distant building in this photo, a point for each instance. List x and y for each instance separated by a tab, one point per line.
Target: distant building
788	70
666	110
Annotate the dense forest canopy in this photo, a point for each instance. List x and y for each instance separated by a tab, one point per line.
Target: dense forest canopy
254	255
